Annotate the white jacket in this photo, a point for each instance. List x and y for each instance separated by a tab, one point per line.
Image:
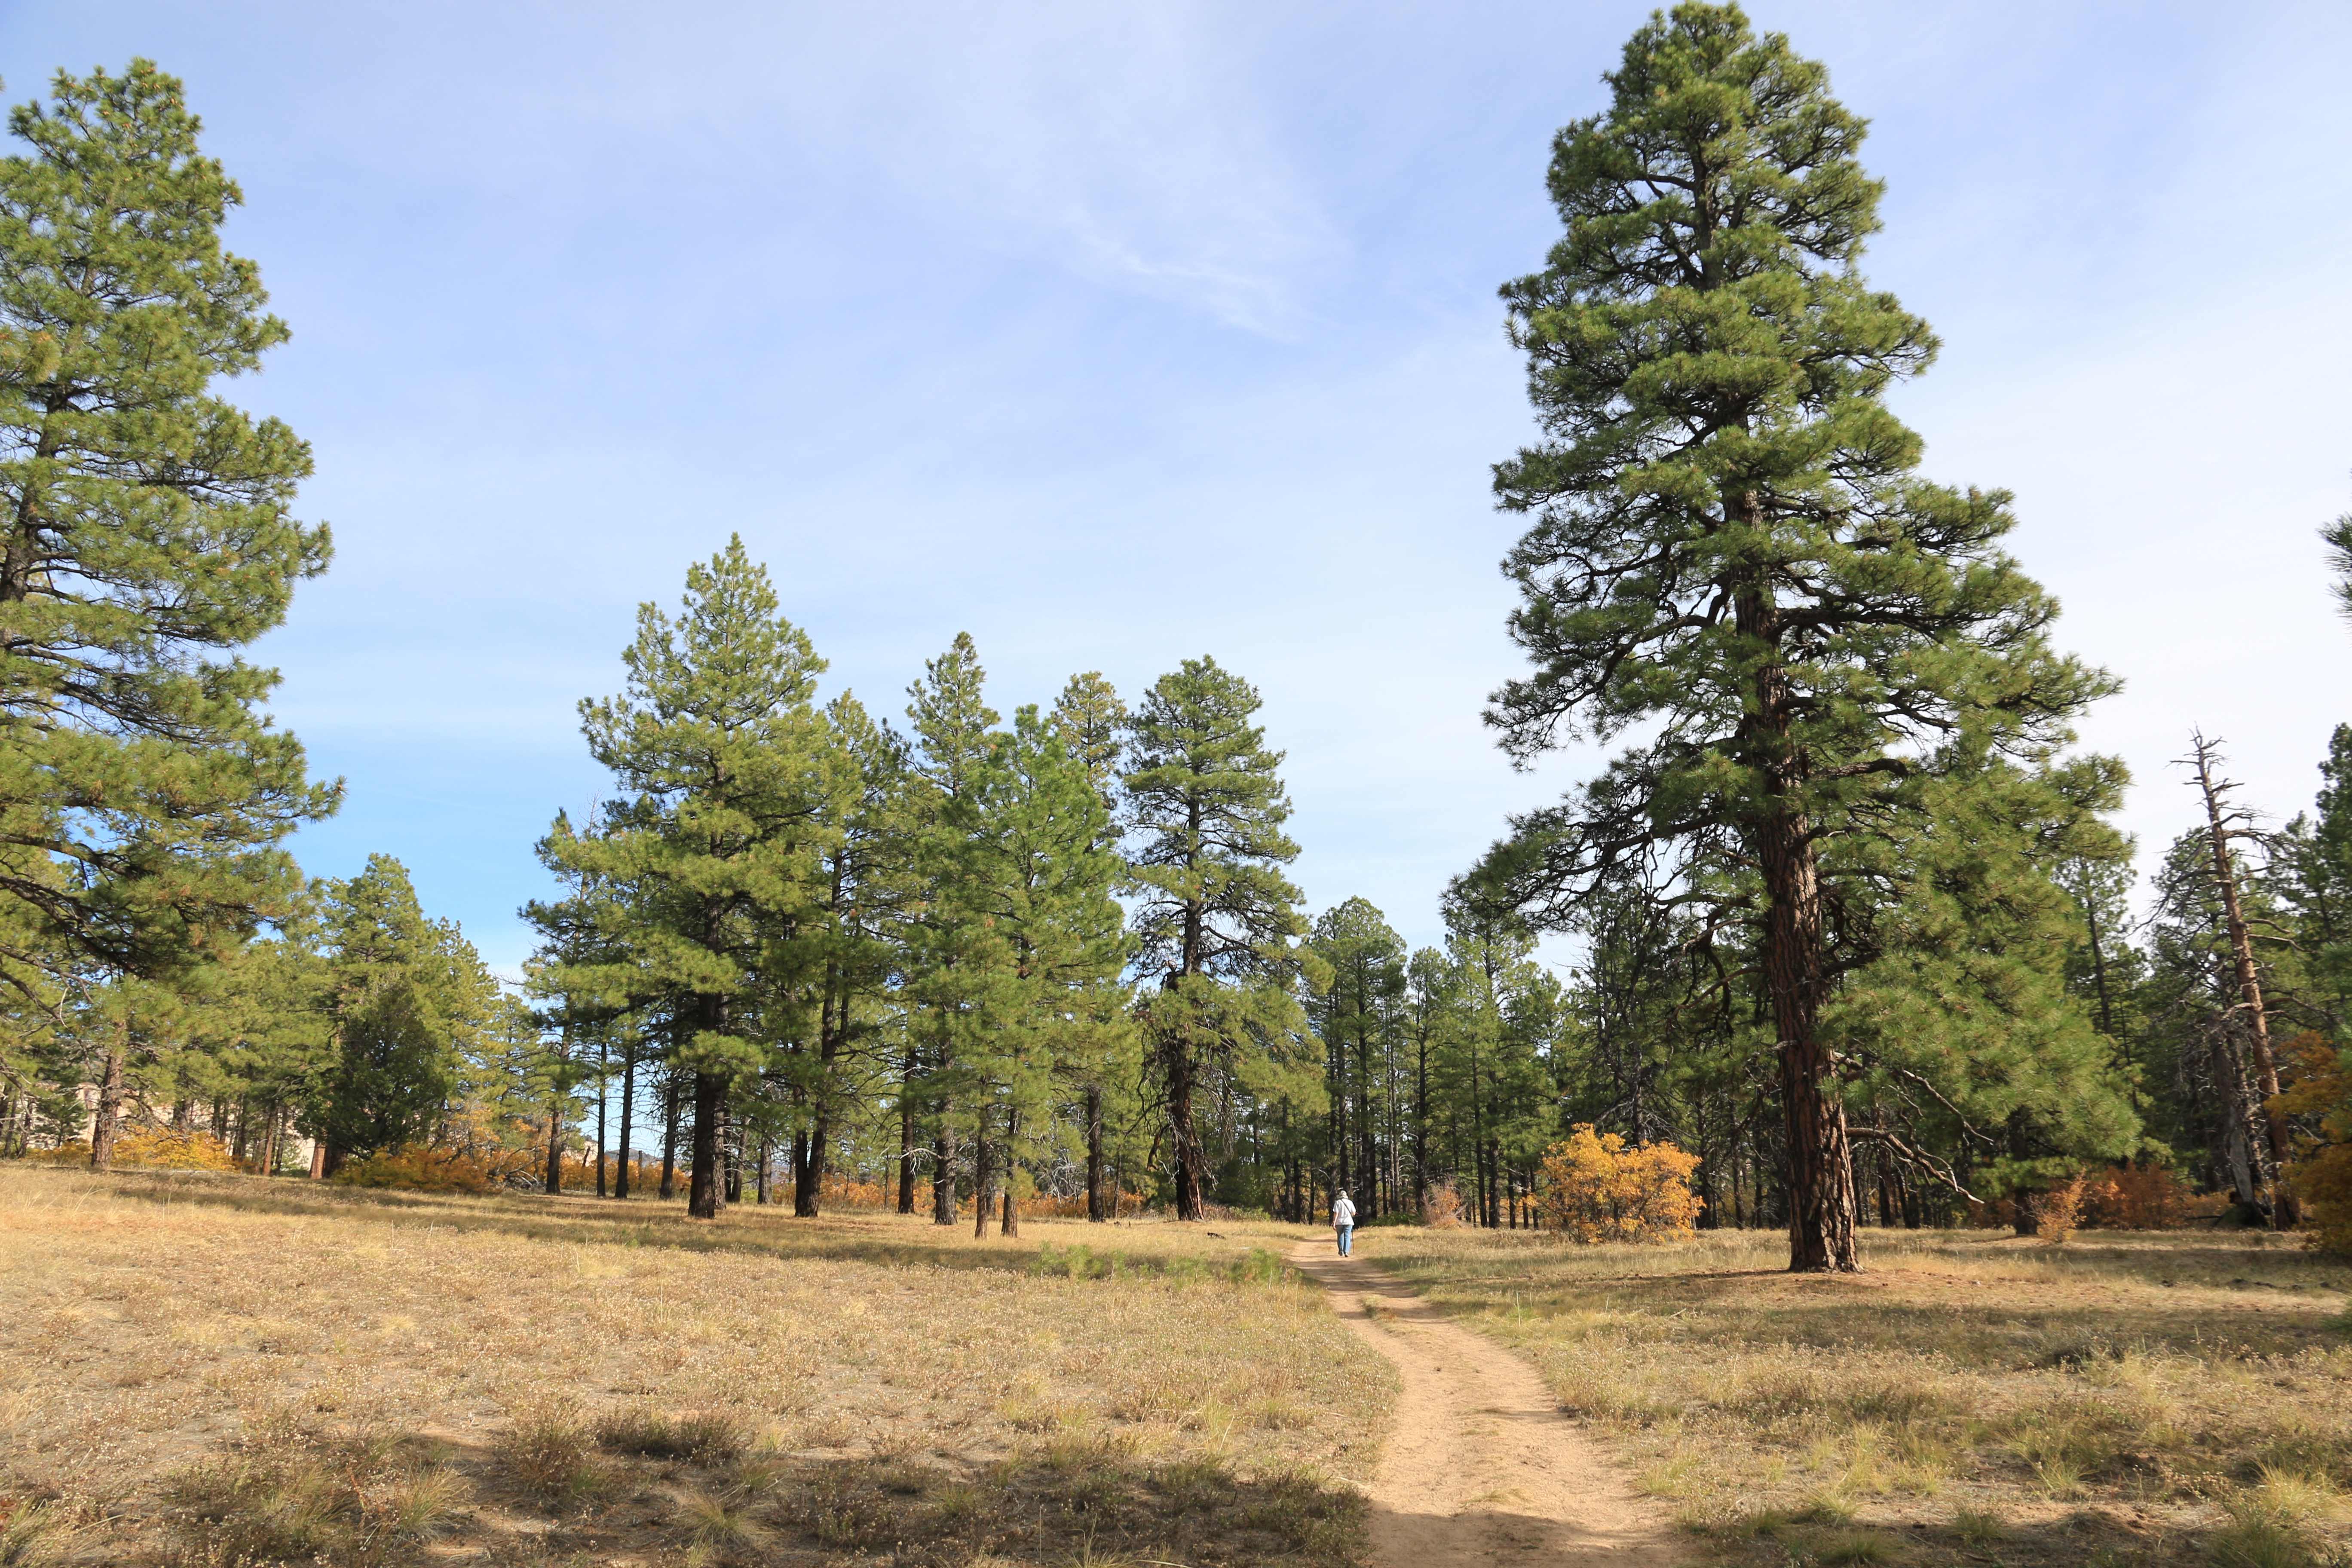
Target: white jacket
1343	1211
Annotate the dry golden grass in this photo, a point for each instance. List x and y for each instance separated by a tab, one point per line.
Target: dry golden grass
219	1370
2127	1398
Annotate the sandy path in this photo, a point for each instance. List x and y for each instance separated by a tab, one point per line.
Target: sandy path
1482	1468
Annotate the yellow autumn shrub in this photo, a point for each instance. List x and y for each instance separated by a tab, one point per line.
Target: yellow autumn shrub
150	1148
1596	1187
167	1149
419	1167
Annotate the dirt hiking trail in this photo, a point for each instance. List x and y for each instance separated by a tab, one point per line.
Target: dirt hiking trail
1482	1468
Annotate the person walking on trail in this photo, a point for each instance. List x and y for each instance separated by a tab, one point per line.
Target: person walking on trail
1343	1220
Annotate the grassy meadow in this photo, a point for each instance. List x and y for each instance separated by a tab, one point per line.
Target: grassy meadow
2125	1398
223	1370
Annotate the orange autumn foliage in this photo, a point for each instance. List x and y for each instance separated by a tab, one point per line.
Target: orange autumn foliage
841	1191
1045	1206
2321	1172
2127	1198
1596	1187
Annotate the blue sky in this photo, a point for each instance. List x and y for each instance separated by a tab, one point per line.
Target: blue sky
1115	335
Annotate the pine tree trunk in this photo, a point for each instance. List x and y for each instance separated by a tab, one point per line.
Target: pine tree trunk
1820	1164
108	1118
1094	1153
669	1136
906	1133
943	1200
730	1156
604	1103
705	1197
2234	1143
1421	1126
767	1158
808	1196
555	1149
628	1120
1011	1224
906	1158
1819	1161
1187	1138
982	1175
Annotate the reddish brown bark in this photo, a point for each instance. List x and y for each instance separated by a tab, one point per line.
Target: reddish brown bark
1821	1161
108	1118
705	1195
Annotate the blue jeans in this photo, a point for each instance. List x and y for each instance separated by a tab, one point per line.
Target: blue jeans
1346	1231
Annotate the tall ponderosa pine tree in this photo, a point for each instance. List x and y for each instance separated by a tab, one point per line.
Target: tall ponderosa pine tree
1049	872
1361	1017
1732	547
1218	920
734	790
148	538
955	959
867	885
1092	723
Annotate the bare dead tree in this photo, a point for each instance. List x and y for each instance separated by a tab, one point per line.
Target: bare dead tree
2225	823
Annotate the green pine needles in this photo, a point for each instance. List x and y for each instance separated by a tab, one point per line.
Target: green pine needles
148	537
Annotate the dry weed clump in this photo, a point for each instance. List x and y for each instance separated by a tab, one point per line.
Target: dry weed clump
704	1437
216	1368
291	1491
2158	1398
37	1534
2057	1210
550	1455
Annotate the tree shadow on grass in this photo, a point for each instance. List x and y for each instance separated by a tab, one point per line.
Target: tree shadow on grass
1077	1500
566	1220
743	1230
2080	1538
1977	1329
